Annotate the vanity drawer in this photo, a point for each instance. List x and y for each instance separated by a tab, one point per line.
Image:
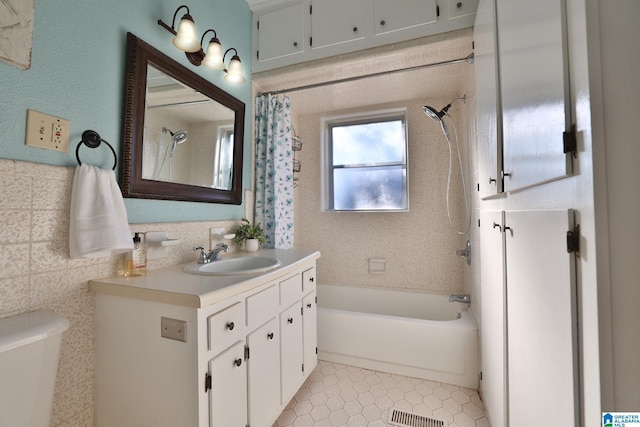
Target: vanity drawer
226	325
290	290
309	280
262	306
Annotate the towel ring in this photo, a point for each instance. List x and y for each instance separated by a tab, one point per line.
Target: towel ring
91	139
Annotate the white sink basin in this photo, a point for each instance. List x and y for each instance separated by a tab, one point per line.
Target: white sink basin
230	266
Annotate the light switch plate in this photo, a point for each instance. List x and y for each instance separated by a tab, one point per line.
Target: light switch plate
48	132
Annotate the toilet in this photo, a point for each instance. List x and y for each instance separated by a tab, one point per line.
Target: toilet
29	353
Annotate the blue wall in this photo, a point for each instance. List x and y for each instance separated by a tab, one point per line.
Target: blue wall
77	73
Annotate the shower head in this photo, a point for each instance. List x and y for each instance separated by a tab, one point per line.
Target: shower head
177	138
433	114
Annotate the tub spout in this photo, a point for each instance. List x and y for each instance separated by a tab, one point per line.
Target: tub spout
465	298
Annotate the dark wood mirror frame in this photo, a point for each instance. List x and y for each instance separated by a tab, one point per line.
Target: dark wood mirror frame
139	56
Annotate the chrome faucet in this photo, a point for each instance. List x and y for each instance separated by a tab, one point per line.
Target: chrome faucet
465	298
213	255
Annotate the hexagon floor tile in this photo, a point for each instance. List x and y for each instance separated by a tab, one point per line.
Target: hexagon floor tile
338	395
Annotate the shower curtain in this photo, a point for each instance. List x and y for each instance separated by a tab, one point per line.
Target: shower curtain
274	173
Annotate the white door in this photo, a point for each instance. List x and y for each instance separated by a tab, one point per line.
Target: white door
310	332
534	90
488	121
494	329
280	32
291	356
541	319
264	377
330	27
228	393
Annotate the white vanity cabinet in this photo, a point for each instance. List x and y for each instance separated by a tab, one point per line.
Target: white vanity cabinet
169	357
287	32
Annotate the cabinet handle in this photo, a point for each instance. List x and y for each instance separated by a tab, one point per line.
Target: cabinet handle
492	180
270	335
382	22
459	5
355	29
495	224
311	279
505	174
238	362
230	326
309	305
290	320
295	44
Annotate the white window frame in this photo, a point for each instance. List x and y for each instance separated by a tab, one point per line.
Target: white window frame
327	158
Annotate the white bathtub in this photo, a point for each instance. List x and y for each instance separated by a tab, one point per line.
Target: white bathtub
414	334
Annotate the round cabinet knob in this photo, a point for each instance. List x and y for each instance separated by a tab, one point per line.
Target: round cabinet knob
382	22
295	44
355	29
270	335
311	279
290	320
459	5
230	326
309	305
238	362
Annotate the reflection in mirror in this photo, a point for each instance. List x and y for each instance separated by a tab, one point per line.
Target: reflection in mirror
183	136
188	136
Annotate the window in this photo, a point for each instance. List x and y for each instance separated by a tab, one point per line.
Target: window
366	159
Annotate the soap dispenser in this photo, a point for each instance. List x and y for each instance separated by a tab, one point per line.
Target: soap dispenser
135	263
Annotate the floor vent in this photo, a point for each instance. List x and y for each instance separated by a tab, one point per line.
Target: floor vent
407	419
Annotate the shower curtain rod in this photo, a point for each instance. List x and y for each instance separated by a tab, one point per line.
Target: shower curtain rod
468	58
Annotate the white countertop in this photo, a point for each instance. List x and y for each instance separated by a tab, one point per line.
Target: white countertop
172	285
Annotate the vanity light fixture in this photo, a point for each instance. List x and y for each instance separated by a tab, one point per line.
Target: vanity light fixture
234	73
185	39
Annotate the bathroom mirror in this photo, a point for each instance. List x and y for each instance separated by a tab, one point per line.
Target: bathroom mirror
183	135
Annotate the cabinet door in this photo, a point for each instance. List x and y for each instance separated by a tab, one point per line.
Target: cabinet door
280	32
228	393
335	22
488	118
397	15
493	299
542	338
534	90
291	356
264	375
310	332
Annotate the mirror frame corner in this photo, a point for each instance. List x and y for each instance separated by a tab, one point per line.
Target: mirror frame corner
139	55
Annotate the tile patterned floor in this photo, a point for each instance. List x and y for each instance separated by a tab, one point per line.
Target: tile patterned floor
338	395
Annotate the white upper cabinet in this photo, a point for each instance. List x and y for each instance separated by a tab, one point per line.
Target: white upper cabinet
524	116
281	33
335	22
488	119
287	32
534	91
398	15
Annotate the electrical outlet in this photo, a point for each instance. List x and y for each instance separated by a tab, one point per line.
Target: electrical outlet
173	329
48	132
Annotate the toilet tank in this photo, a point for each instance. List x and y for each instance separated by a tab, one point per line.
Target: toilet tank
29	353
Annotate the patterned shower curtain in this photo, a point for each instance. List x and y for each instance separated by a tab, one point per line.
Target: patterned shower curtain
274	170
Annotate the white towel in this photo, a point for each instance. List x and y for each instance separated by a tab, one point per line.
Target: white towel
98	225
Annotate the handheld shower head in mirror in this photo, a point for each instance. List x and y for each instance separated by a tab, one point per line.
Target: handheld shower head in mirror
177	138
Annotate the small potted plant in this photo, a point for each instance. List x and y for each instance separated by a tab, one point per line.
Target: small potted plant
249	236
